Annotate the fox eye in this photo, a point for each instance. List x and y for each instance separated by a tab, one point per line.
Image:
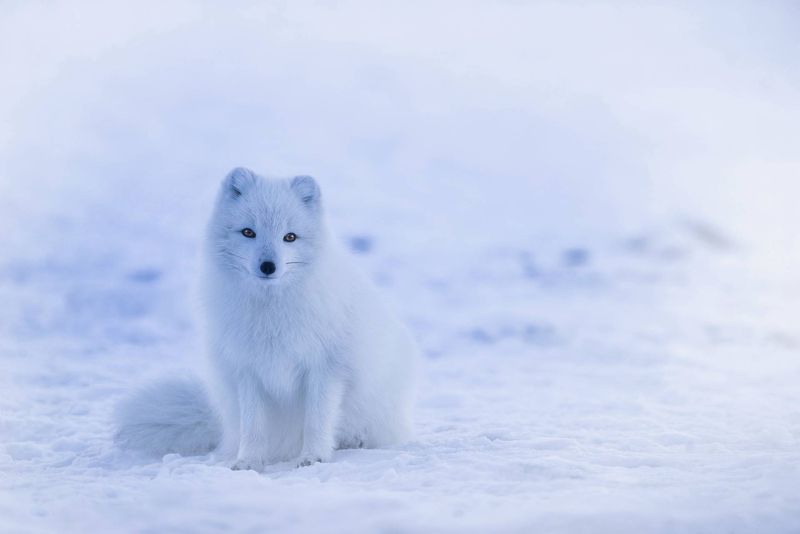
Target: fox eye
247	232
289	237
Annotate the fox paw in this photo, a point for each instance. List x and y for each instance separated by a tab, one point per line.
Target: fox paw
306	460
248	464
354	442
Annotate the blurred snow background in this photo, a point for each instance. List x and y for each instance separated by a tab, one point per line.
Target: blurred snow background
587	211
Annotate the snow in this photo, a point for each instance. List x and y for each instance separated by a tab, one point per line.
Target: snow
585	212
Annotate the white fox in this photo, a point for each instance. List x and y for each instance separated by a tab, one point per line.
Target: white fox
304	356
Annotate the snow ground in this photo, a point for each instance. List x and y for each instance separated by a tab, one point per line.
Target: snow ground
585	212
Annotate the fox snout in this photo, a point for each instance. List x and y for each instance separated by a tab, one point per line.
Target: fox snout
268	267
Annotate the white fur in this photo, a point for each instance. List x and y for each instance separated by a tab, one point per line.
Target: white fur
172	415
307	359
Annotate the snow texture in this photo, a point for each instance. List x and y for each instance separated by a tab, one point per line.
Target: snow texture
586	212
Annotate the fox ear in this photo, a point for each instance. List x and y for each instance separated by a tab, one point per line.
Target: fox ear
238	181
307	189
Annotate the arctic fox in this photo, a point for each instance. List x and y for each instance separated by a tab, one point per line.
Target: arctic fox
304	357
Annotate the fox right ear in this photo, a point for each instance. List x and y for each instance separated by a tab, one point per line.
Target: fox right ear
238	181
306	188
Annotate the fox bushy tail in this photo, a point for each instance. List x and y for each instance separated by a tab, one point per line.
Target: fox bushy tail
170	416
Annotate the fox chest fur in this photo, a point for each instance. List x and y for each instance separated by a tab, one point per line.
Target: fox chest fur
278	339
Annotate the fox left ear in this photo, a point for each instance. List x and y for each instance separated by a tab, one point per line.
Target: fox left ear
307	189
238	181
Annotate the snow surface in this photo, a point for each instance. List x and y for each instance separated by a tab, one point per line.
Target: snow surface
585	211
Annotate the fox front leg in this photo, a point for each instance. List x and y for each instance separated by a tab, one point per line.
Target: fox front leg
323	397
252	427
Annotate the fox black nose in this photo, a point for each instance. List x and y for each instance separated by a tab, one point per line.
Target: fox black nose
267	267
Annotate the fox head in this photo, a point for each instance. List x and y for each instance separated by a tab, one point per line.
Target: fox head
268	230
